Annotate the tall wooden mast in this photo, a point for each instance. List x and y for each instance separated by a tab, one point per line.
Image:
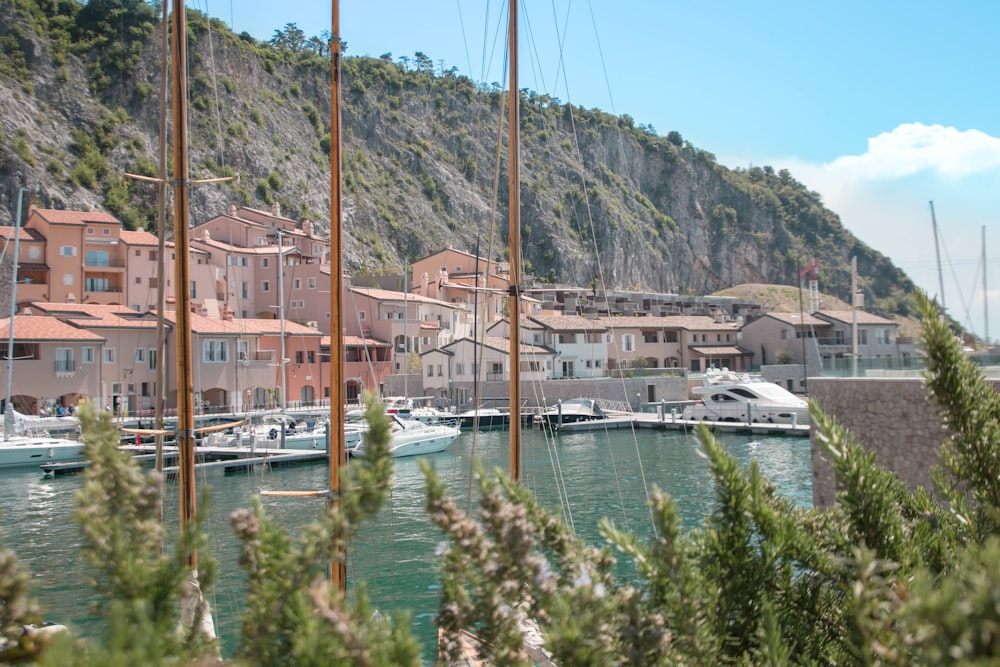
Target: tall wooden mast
514	241
182	278
338	571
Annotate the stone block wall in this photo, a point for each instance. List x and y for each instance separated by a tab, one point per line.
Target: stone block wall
895	417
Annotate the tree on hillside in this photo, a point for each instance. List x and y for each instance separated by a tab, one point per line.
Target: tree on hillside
290	38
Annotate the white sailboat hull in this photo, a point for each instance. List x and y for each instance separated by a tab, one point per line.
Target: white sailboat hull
25	451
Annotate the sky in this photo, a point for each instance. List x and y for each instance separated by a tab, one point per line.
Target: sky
880	106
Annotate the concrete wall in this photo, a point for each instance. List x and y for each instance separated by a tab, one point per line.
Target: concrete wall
632	391
894	417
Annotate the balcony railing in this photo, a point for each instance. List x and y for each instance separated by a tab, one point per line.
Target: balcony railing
65	366
104	264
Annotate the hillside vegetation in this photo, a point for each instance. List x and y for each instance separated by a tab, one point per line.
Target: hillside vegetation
603	198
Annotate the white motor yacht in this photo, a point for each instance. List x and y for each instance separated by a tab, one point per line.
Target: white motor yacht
740	397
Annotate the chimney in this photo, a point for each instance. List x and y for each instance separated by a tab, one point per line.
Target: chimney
276	209
206	235
232	210
307	228
227	313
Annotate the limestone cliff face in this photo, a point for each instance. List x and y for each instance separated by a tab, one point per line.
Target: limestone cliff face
602	199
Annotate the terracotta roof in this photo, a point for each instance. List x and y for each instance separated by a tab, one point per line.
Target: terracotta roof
503	345
141	237
75	217
7	232
358	341
237	327
568	323
98	316
847	317
48	329
796	319
389	295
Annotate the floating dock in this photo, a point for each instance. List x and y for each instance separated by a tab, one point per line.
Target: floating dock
671	423
231	459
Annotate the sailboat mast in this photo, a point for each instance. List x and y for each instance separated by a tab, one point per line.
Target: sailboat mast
986	307
514	242
161	251
182	279
338	571
937	251
281	314
8	422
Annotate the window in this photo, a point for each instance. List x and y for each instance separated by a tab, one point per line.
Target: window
151	359
152	255
862	336
361	315
458	369
138	280
140	355
566	339
650	337
311	283
90	230
296	283
669	336
193	290
880	336
310	356
430	370
87	355
299	357
628	342
153	282
242	348
265	262
97	285
98	258
265	286
214	351
64	360
109	355
67	251
106	231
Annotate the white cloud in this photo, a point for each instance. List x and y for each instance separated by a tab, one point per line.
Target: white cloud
914	147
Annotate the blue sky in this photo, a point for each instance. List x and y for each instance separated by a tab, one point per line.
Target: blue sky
880	106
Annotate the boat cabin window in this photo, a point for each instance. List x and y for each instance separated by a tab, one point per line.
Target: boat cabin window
739	391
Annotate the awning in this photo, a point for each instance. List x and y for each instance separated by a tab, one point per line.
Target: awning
719	351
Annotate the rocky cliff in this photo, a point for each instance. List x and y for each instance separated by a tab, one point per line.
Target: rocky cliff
602	199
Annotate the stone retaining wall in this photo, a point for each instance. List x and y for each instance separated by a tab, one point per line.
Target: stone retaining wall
895	418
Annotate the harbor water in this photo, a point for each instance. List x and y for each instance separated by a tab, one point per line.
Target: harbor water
591	475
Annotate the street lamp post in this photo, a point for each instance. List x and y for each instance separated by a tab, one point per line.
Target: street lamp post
9	405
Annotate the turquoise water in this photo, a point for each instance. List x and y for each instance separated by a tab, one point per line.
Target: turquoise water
594	474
